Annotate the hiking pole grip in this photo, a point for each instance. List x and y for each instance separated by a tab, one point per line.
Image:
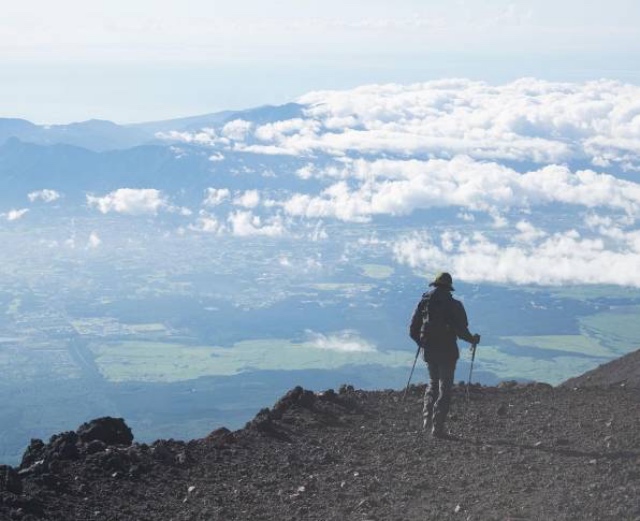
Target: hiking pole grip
473	357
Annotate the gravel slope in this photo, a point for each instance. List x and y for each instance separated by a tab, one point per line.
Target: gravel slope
525	452
621	371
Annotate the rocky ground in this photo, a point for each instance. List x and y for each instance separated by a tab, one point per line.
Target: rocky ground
621	371
525	452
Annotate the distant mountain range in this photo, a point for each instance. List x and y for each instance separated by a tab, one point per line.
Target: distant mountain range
99	156
100	135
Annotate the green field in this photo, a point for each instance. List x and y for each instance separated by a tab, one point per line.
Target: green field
569	355
578	344
170	362
617	329
507	366
583	293
377	271
604	336
346	287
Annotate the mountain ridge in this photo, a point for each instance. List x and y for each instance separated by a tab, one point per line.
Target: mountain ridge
100	135
624	371
524	451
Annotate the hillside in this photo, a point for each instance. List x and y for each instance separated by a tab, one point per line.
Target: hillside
621	371
525	452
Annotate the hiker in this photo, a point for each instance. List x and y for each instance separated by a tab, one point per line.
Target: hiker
438	321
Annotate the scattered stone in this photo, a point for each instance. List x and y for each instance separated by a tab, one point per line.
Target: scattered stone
356	455
111	431
10	480
221	437
64	446
344	389
95	446
33	453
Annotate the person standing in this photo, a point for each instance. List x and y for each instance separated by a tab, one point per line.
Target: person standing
437	322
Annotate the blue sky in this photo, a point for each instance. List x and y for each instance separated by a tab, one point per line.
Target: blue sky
143	60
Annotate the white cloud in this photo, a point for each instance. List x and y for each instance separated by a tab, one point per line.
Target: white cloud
546	259
216	196
205	136
237	130
246	224
248	199
501	159
284	261
267	150
526	120
45	195
131	201
290	127
319	232
180	210
395	187
94	241
528	232
344	341
14	215
208	223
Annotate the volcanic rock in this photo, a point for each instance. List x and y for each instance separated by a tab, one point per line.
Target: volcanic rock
111	431
562	453
10	480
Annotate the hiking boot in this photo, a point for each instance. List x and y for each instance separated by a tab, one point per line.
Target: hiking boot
441	434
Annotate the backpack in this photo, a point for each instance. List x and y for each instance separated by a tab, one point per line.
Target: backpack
419	319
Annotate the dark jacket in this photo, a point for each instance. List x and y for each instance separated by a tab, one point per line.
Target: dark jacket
444	320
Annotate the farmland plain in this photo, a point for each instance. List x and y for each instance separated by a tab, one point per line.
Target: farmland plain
182	334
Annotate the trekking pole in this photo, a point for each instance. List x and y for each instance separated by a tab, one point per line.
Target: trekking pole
411	373
473	357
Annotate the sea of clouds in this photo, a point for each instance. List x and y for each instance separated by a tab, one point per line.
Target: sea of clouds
542	177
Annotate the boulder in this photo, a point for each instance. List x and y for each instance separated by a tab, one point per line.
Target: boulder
111	431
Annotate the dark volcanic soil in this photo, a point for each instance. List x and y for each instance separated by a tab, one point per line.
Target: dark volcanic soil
525	452
621	371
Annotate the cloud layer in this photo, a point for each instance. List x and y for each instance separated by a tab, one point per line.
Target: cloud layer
556	259
146	201
527	182
395	187
46	195
343	341
528	120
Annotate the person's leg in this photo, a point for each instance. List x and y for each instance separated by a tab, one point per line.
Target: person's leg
446	371
430	396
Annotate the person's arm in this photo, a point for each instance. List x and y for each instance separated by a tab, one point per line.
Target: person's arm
460	323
